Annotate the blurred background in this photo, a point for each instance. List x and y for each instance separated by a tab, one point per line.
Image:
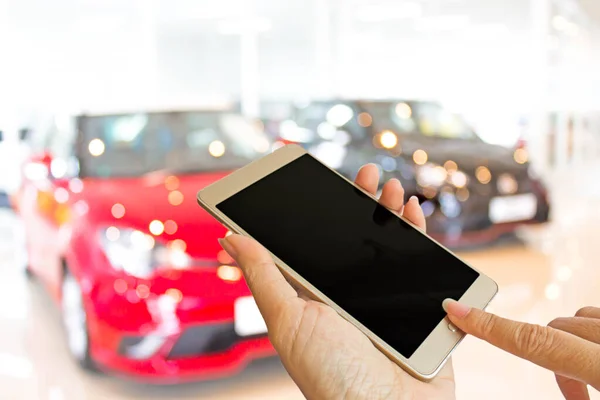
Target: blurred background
114	113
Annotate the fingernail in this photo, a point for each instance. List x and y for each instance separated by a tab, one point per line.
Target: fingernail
414	199
228	247
455	309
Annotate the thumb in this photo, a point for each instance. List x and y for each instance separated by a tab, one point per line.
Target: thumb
545	346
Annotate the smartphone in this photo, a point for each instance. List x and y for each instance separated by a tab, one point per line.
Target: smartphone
337	243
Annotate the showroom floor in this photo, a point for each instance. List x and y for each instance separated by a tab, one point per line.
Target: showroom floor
553	274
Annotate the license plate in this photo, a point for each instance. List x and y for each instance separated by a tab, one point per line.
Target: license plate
513	208
248	320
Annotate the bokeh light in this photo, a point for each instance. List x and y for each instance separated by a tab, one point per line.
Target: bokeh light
326	130
216	148
420	157
403	110
120	286
61	195
440	173
96	147
507	184
143	291
388	139
141	240
113	233
132	296
229	273
429	192
521	156
364	119
450	166
171	182
170	227
459	179
174	294
339	115
483	174
428	208
175	198
463	194
178	245
76	185
156	227
118	210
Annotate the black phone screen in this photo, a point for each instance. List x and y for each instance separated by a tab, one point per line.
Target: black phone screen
371	263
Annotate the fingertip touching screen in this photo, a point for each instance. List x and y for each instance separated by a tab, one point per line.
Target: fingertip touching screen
375	266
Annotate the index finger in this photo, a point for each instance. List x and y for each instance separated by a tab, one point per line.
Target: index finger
550	348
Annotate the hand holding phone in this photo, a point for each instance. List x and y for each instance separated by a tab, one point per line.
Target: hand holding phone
341	247
328	357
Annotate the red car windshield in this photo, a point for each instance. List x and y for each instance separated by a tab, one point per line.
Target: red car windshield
180	142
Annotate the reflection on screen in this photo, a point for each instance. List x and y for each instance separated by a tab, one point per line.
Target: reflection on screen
378	268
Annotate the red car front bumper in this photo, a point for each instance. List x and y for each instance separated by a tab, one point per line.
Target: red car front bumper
161	341
186	356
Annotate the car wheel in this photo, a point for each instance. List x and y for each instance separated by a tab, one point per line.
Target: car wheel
75	322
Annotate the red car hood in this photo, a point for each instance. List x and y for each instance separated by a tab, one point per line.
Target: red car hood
158	196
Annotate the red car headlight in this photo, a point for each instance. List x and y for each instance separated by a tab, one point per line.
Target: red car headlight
138	253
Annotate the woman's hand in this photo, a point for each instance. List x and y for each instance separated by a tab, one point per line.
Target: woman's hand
328	357
570	347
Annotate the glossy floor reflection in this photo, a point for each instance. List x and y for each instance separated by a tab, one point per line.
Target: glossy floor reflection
553	273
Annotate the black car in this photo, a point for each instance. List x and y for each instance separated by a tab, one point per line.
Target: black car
471	191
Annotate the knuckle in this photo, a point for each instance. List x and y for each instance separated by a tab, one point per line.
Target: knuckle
254	268
533	339
486	325
262	264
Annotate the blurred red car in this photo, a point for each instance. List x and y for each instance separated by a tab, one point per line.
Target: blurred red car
114	232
